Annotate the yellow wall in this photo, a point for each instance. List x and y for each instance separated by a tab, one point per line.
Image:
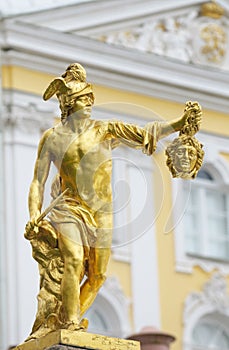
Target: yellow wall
19	78
115	100
226	156
122	270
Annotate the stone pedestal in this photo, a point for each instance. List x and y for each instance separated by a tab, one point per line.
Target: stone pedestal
153	339
72	340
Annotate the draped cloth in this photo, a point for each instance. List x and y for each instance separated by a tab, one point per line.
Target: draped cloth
81	207
69	210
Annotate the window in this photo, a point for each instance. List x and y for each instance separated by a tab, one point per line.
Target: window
206	218
206	316
97	322
210	334
109	314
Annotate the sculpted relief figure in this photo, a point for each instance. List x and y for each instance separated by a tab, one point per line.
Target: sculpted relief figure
73	244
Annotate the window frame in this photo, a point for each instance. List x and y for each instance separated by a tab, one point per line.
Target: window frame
218	325
202	186
208	304
217	165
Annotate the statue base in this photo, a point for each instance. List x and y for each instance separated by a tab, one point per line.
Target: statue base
71	340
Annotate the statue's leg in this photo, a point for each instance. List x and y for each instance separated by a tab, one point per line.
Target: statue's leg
71	249
98	261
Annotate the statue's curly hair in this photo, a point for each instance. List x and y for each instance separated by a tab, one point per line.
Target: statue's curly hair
171	152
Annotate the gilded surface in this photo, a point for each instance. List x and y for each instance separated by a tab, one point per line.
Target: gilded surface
185	153
80	339
215	42
212	10
72	247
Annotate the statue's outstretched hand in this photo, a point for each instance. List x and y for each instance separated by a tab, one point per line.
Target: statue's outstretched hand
191	119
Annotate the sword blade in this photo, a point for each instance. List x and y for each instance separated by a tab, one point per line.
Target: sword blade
51	206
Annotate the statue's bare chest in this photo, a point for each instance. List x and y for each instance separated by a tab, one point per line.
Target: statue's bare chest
90	146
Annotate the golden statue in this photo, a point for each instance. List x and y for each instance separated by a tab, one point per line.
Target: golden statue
73	245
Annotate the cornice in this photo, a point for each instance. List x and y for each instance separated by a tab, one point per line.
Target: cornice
16	8
128	69
104	13
107	15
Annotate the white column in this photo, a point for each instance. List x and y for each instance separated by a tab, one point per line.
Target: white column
24	117
145	285
3	340
21	272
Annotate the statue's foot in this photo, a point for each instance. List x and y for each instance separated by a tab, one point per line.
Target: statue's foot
73	326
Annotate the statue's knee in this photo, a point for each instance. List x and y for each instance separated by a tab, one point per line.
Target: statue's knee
73	263
98	281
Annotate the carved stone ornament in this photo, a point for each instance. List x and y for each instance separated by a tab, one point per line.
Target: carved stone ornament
27	120
214	296
198	36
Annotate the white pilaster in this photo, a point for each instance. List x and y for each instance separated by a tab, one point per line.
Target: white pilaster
145	285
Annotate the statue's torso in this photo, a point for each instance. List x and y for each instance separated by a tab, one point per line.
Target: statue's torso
83	159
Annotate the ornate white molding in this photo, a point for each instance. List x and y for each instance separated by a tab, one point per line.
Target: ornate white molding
212	301
168	37
112	288
214	297
113	305
27	6
26	112
192	36
28	121
106	15
107	64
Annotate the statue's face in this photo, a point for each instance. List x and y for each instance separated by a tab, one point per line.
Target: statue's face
83	106
185	158
80	106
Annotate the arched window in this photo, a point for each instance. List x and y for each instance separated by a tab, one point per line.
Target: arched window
109	314
206	218
206	316
102	318
210	333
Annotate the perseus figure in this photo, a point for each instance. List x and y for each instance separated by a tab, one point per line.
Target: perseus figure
73	244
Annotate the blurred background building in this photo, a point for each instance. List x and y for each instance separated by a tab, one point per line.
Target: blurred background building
146	58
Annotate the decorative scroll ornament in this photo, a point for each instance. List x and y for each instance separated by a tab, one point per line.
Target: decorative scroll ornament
185	153
214	39
212	10
198	35
214	296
